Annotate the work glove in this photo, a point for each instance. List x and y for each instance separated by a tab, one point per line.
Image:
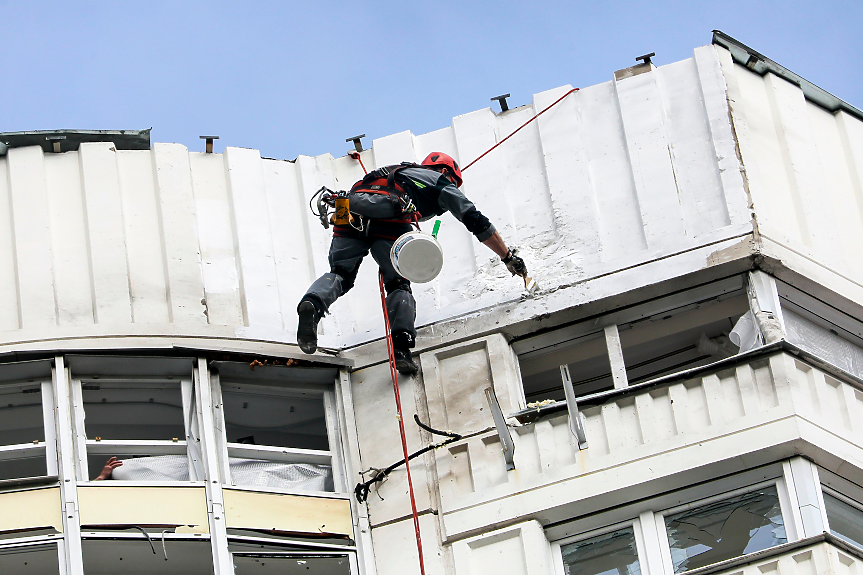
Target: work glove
514	264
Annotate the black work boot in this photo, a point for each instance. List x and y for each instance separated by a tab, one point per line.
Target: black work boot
307	330
404	363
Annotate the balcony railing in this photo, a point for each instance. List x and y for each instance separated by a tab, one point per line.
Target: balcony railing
812	556
716	414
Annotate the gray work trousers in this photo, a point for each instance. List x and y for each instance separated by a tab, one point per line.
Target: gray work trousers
346	255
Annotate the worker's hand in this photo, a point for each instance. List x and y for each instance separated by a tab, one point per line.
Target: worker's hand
515	264
109	468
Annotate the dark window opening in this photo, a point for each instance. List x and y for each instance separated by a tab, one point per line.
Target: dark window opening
133	410
610	554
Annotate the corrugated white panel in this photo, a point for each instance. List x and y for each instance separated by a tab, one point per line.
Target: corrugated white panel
615	176
69	239
147	280
803	168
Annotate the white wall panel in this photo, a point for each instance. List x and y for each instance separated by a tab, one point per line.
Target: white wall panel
105	234
803	169
649	151
573	197
32	237
147	279
259	285
714	92
621	228
179	234
614	177
9	308
69	242
288	219
218	253
689	141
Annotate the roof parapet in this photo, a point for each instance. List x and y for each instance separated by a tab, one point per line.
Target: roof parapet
761	64
69	140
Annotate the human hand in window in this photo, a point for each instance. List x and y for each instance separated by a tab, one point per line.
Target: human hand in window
109	468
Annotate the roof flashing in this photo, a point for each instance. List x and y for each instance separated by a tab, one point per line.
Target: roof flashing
71	140
761	65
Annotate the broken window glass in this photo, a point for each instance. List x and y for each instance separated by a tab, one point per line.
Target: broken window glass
610	554
846	521
729	528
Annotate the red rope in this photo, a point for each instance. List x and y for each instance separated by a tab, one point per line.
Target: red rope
519	128
356	156
395	378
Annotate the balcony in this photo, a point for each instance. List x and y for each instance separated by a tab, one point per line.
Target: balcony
737	414
820	554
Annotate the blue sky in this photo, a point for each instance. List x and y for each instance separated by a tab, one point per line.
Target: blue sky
293	78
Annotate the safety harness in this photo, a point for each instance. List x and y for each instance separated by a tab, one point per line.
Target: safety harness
382	181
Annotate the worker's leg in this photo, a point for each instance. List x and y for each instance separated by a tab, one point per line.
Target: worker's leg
346	255
401	307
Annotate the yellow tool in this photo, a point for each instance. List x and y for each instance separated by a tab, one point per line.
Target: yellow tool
342	215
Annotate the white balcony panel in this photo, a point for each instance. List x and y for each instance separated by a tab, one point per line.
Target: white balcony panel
737	416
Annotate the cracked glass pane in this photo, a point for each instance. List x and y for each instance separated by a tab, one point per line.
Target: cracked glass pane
729	528
610	554
846	521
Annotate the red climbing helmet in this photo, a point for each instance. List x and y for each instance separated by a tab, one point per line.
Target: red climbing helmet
441	159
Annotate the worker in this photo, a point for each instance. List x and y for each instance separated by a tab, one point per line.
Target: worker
425	190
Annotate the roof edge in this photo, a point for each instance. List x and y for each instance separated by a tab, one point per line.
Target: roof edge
761	65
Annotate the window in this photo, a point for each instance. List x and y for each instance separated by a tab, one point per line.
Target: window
656	338
29	558
845	519
609	554
137	554
27	443
279	431
142	421
724	529
269	563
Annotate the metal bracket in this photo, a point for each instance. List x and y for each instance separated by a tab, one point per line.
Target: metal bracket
357	140
209	141
502	430
55	139
646	58
502	101
576	425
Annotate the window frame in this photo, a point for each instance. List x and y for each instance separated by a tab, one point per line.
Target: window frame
784	508
57	540
608	325
227	450
635	524
46	448
119	447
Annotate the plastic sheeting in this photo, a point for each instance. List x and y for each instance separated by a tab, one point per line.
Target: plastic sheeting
299	476
154	468
823	343
244	472
745	334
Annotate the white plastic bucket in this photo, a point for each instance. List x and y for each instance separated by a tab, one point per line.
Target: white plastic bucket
417	257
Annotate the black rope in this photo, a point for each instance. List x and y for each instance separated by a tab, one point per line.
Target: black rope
361	491
435	431
150	541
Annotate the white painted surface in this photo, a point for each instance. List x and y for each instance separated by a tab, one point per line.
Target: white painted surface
815	560
802	165
617	175
650	437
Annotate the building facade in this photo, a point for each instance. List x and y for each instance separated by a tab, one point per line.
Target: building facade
683	394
